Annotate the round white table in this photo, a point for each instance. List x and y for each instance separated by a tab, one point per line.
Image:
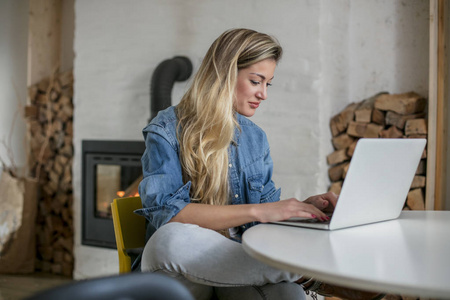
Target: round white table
408	256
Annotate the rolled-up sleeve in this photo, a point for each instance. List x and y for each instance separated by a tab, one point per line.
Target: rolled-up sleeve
162	190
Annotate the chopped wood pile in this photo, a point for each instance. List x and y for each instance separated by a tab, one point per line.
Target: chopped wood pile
381	116
49	116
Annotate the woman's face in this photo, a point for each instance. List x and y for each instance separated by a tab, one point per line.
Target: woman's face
251	87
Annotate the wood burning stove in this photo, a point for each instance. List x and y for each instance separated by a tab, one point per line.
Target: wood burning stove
111	169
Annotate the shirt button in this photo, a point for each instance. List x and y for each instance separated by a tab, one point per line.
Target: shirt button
230	165
236	196
263	186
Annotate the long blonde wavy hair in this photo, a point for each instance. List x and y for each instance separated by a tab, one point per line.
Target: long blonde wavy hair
206	113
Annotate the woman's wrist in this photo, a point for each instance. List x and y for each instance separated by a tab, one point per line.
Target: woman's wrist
254	210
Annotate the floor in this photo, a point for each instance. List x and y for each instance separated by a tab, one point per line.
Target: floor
17	287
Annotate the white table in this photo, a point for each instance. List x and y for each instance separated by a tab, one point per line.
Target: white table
408	256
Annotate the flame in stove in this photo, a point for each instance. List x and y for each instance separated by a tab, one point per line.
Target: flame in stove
121	194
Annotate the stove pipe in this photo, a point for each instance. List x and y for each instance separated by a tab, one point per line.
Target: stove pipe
166	73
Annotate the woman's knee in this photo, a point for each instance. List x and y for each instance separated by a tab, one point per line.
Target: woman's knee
169	245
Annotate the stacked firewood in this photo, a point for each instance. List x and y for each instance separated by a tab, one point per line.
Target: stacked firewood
381	116
50	132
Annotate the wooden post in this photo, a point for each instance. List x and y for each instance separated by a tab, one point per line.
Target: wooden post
442	108
44	39
437	109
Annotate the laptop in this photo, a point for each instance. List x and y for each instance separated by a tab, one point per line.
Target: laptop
376	185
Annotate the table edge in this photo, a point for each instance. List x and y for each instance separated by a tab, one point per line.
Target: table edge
356	283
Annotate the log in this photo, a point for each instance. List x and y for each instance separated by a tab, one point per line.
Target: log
422	168
344	173
399	121
337	157
391	133
403	104
418	182
339	122
66	215
69	128
373	130
424	154
415	200
336	173
31	112
43	85
67	257
46	252
53	95
378	117
356	129
416	126
336	187
351	148
42	98
342	141
363	116
57	207
67	269
58	256
46	266
56	269
365	110
417	136
58	168
66	243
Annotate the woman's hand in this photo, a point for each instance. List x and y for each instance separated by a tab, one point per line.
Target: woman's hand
325	202
219	217
289	208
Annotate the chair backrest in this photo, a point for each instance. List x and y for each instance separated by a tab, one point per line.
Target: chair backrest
129	229
132	286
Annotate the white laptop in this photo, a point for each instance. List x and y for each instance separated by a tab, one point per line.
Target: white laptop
376	185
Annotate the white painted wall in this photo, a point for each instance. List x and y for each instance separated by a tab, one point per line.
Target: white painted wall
13	78
336	52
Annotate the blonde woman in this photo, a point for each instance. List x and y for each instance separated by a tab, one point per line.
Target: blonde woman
207	177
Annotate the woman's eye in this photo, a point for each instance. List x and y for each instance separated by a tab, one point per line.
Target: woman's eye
269	84
255	82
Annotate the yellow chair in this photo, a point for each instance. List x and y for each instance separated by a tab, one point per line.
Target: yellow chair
129	229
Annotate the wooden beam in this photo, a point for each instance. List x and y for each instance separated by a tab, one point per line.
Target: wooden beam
432	108
442	108
44	39
437	108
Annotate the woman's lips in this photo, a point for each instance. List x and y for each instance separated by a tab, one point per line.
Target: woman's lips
254	104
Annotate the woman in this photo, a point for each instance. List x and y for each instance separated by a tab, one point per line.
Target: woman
207	177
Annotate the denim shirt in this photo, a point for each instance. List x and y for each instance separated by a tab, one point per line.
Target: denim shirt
162	189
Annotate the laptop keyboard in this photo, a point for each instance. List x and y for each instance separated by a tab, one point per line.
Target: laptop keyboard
307	220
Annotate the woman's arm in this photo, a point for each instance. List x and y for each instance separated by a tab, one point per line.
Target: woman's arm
224	217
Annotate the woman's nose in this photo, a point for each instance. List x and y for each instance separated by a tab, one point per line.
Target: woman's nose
262	93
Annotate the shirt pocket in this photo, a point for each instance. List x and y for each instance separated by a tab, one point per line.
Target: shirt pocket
255	188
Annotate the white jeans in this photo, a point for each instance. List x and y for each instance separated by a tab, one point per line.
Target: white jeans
208	263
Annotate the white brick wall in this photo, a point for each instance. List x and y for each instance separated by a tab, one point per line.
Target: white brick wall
336	52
